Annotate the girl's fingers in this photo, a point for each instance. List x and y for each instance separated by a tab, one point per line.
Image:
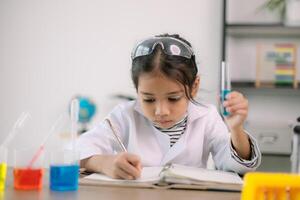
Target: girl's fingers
235	101
136	162
241	112
130	164
120	173
234	94
237	107
130	169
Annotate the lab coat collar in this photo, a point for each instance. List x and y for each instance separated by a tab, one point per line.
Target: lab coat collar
194	112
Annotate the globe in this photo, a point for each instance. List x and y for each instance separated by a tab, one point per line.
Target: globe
87	109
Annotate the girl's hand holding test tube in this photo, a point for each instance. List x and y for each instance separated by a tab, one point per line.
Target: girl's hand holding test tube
235	111
235	105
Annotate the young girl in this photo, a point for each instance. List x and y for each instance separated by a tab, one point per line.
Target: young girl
166	124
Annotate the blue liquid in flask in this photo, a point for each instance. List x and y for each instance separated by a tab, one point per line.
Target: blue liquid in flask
64	177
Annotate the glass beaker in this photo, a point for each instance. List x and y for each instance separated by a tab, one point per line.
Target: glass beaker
28	176
64	170
3	167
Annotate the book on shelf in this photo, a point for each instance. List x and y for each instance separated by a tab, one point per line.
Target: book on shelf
276	65
173	176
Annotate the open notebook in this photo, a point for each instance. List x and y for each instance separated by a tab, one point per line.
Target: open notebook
173	176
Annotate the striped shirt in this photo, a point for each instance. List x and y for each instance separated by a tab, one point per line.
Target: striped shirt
252	162
175	132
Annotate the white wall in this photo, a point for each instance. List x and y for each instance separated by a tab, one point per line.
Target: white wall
52	50
244	11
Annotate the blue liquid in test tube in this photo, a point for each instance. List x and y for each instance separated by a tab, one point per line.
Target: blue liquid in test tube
225	85
64	177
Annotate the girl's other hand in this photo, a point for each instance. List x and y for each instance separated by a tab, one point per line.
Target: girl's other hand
237	105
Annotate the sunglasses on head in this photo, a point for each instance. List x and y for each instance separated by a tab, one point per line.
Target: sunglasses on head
171	46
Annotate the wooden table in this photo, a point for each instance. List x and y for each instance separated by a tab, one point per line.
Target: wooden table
112	193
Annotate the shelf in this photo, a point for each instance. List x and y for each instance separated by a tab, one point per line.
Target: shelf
260	30
244	84
251	84
252	92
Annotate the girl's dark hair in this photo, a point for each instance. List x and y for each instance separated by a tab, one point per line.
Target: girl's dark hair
180	69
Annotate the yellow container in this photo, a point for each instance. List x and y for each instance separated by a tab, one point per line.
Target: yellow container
269	186
3	168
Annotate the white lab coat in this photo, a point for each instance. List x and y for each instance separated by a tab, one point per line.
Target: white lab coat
205	133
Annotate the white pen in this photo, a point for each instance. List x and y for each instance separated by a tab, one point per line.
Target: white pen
116	135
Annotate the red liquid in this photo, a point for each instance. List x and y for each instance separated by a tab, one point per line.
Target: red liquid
28	179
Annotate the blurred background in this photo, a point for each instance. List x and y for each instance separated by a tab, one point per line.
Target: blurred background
53	51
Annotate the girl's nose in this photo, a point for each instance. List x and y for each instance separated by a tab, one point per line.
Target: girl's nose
161	109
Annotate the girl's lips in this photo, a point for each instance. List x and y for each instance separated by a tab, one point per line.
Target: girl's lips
163	122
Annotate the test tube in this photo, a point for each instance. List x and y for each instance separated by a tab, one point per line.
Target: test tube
225	85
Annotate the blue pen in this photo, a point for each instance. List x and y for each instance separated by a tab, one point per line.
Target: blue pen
225	85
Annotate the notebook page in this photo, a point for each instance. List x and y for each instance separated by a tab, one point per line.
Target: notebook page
149	175
203	175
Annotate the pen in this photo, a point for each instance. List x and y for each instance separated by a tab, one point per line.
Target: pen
116	135
225	85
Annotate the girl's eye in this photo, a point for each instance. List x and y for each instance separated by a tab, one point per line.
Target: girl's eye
149	100
174	99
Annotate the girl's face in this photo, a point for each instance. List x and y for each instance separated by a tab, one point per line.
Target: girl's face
163	100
